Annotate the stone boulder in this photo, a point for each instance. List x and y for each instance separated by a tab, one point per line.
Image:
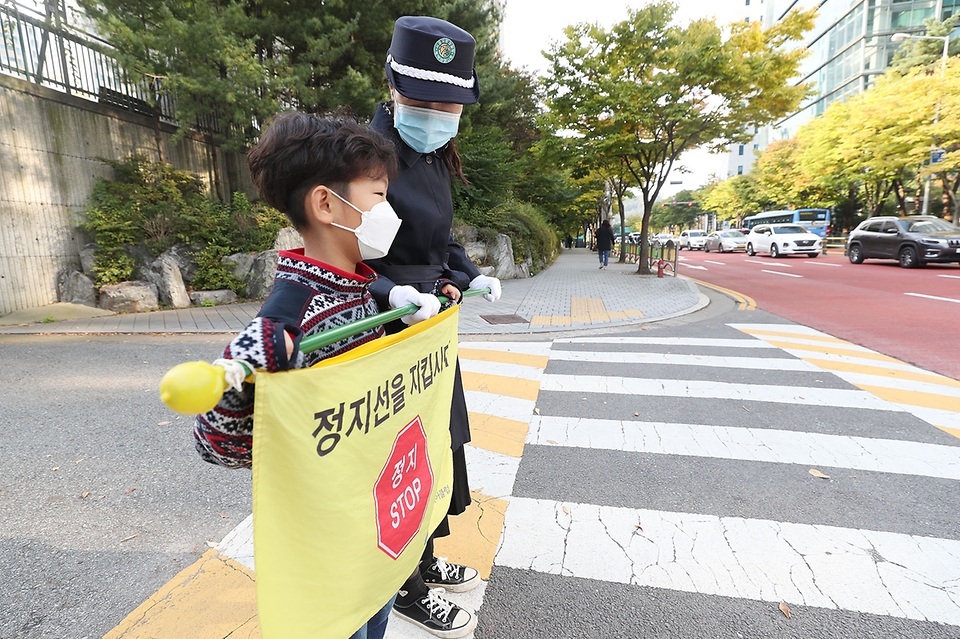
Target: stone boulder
76	288
464	233
129	297
287	238
87	255
213	298
185	258
476	251
164	274
239	264
500	256
262	273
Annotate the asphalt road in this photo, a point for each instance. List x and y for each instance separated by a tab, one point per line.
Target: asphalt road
910	314
637	508
102	497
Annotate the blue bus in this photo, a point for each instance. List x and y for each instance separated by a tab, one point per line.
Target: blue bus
816	220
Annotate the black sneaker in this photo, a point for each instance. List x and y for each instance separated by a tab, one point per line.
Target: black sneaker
452	577
437	615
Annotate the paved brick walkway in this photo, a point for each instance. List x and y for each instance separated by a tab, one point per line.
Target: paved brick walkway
572	294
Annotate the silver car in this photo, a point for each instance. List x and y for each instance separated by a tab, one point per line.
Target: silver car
726	241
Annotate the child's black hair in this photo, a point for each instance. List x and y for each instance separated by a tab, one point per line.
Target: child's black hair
299	151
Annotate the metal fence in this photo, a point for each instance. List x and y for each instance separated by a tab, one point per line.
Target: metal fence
44	50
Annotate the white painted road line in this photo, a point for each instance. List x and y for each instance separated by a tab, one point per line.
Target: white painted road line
763	270
769	263
954	277
749	444
500	405
526	348
668	341
673	359
516	371
699	268
812	565
934	297
821	263
803	395
780	328
712	262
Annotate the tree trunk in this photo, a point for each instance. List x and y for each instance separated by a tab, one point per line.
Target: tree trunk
643	266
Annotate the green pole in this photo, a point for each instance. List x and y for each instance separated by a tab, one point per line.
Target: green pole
314	342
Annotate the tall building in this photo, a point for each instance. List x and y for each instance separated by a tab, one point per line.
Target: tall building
740	157
849	46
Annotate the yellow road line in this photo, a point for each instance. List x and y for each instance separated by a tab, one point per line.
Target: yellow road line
474	534
501	385
894	373
214	598
914	398
821	338
498	434
504	357
833	351
744	302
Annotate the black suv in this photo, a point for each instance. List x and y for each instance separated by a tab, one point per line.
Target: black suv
913	241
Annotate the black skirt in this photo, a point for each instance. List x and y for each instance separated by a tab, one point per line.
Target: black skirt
460	497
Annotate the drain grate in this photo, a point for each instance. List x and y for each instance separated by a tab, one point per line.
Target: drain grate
503	319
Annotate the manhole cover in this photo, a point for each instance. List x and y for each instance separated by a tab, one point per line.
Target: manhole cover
504	319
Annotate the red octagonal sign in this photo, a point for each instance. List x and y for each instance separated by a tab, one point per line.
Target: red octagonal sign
403	490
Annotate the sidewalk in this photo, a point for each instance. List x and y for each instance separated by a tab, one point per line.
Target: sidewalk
572	294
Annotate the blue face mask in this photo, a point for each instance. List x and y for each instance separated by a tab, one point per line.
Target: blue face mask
424	130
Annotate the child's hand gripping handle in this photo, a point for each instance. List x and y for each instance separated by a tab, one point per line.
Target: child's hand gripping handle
192	388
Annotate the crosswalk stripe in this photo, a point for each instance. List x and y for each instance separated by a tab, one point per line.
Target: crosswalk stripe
501	385
790	334
813	565
541	349
749	444
921	388
880	370
503	357
672	359
717	342
515	370
715	390
850	349
933	398
499	406
506	436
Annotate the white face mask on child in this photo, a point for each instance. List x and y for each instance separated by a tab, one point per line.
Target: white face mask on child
378	227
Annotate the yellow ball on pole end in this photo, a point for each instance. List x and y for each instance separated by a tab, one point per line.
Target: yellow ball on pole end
193	387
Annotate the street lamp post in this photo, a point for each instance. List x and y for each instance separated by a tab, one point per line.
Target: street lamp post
899	37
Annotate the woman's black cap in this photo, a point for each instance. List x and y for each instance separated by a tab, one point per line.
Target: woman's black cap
432	60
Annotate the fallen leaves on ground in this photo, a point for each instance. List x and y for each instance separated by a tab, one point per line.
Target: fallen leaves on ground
817	473
785	609
84	494
130	491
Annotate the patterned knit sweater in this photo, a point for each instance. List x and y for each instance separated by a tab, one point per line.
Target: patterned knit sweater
308	297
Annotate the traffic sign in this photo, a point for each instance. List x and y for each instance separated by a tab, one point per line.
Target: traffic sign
403	490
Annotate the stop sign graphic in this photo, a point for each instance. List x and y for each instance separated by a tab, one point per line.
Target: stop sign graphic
403	490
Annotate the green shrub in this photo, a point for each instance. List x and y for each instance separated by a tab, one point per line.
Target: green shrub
523	223
155	205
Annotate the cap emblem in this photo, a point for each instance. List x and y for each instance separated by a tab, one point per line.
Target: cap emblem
444	50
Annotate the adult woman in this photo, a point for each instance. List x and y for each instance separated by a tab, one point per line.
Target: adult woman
604	243
431	75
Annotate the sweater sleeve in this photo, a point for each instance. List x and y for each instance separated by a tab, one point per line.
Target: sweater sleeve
224	435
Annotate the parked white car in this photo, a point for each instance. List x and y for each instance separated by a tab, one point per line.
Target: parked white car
692	239
783	239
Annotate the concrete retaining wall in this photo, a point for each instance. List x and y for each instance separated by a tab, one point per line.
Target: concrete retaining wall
49	145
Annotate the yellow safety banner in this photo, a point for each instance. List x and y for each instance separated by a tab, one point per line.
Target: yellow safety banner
352	471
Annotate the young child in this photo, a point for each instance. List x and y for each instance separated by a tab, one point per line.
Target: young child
329	177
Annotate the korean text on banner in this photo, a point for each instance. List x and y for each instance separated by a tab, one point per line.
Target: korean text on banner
352	471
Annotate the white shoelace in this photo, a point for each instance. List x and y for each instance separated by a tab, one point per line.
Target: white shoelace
437	606
445	569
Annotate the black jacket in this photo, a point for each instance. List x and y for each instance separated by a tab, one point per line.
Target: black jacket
423	253
604	238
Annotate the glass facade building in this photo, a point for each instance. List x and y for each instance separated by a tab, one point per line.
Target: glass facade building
849	46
